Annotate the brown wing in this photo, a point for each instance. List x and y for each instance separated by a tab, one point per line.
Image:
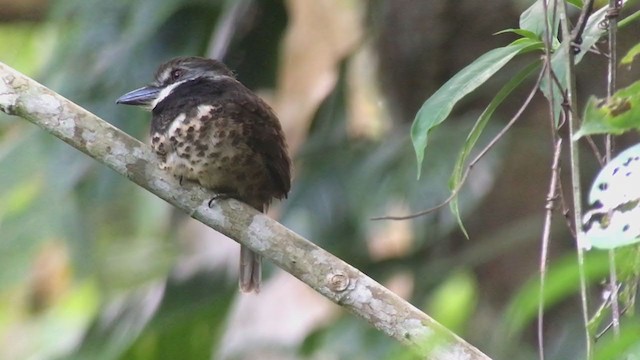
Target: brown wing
265	137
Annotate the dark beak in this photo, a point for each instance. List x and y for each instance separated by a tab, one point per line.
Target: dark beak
141	97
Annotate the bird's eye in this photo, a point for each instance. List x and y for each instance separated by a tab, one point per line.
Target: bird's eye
176	74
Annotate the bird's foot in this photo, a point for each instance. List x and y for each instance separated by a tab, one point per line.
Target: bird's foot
223	195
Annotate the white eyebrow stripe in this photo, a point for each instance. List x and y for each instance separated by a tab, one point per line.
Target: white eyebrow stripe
220	77
165	75
166	92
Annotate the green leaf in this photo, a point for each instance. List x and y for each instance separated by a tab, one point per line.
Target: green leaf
533	19
436	109
576	3
629	20
631	55
619	114
524	33
476	131
592	33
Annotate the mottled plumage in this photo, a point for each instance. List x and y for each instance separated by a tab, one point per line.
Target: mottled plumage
209	128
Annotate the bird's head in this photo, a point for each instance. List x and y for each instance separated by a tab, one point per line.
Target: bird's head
172	74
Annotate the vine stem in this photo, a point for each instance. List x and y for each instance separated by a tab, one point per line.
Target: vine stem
548	43
552	195
573	119
612	16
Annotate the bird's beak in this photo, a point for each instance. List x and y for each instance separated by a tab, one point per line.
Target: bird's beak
141	97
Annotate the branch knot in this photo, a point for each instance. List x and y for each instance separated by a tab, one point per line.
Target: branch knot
338	281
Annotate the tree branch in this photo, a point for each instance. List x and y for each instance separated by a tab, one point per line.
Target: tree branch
325	273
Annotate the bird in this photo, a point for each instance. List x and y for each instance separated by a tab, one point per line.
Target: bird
209	128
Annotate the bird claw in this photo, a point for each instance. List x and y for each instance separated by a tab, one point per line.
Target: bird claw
222	196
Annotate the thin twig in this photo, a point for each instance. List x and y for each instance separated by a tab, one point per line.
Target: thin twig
325	273
558	83
475	160
550	75
604	331
612	17
566	213
596	151
552	195
606	303
578	30
573	119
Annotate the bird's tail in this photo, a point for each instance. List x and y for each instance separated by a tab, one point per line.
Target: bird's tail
251	262
250	270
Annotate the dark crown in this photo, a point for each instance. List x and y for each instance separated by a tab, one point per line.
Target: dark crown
188	68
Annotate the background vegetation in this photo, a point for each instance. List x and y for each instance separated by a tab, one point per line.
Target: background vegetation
94	267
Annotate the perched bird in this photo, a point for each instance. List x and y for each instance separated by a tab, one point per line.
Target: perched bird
209	128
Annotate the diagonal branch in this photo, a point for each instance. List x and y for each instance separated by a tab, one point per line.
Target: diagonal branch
325	273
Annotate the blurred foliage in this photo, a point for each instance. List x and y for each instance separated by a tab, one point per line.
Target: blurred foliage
453	302
614	115
631	55
95	268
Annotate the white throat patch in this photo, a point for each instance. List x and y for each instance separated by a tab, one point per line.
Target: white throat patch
166	92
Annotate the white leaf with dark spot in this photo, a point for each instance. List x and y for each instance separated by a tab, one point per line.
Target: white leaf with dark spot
614	219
